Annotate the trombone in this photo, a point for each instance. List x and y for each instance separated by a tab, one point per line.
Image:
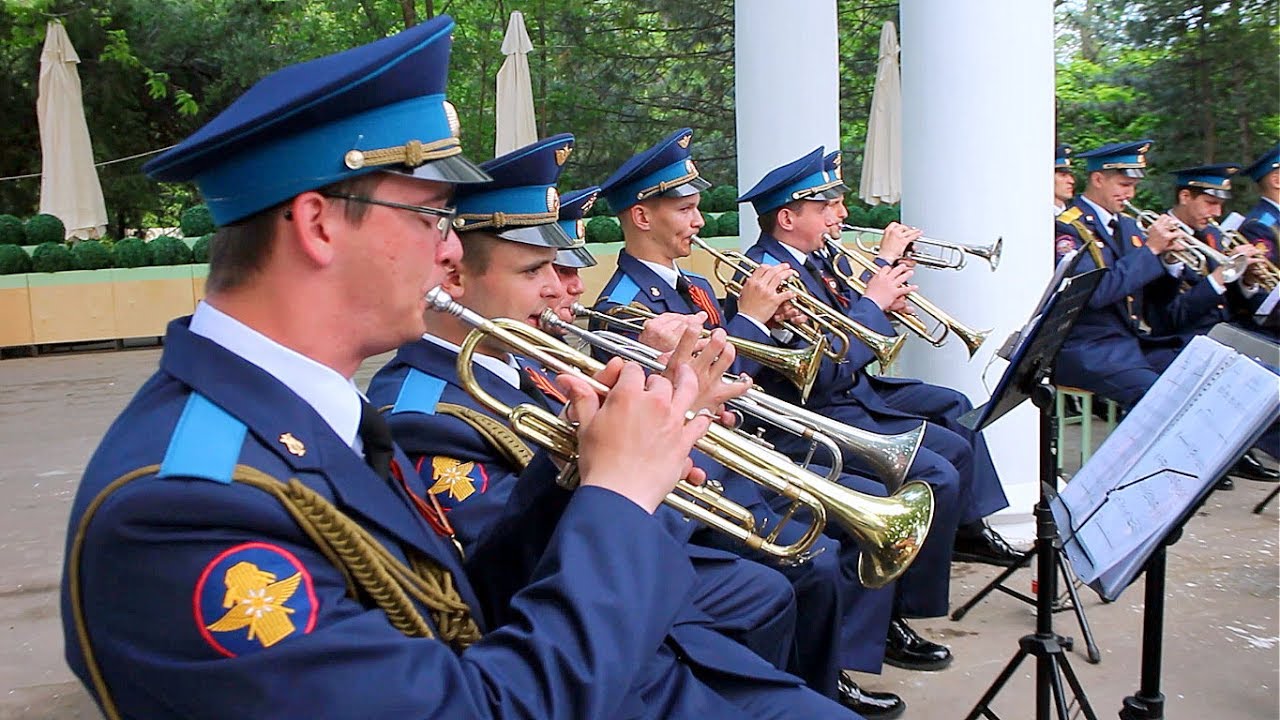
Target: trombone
929	252
799	366
1267	272
935	335
890	456
825	318
1196	254
890	530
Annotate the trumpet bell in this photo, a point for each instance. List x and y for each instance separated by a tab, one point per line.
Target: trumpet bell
889	530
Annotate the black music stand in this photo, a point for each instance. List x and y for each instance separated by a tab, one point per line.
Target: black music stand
1028	376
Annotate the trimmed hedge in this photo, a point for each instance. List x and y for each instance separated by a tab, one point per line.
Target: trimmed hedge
14	260
719	198
51	257
859	215
727	224
131	253
882	215
603	230
91	255
600	208
45	228
200	249
196	221
169	250
12	231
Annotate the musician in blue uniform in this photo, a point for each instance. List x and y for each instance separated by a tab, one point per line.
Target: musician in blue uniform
246	540
1108	352
656	194
1262	223
1064	182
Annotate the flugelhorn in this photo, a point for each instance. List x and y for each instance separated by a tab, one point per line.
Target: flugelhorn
945	323
825	318
932	252
1196	254
890	530
799	366
1266	271
890	456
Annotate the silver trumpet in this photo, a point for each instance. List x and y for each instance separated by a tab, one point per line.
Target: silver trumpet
934	253
1195	254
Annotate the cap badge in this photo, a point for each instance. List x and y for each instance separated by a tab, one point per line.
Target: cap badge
562	154
684	141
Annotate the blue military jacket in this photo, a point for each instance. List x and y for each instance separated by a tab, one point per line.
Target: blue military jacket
1262	226
165	562
478	488
1187	306
1108	336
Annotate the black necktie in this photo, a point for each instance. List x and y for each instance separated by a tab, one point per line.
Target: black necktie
1114	228
682	287
376	435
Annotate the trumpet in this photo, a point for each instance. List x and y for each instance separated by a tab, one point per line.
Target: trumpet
933	253
825	319
935	335
890	456
799	366
1267	272
890	530
1196	254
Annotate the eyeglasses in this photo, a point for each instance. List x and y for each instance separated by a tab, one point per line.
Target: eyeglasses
447	216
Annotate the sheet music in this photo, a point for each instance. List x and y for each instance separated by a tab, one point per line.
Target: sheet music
1181	436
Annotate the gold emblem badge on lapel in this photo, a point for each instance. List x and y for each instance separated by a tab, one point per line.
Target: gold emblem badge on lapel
293	444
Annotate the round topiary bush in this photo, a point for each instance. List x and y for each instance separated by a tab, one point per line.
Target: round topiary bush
200	249
708	225
91	255
14	260
169	250
603	230
51	257
601	208
727	224
723	198
12	231
882	215
859	215
196	221
130	253
45	228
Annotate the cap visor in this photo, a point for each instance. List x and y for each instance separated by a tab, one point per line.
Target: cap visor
456	169
1133	173
1220	194
576	257
692	187
549	235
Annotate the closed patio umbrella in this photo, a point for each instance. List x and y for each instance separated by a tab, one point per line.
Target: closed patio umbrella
515	119
69	185
882	158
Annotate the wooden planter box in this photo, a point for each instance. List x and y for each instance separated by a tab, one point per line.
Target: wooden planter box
15	311
72	306
147	298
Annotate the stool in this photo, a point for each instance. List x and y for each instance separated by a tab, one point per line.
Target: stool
1084	420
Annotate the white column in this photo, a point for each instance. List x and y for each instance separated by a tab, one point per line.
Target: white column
787	88
978	131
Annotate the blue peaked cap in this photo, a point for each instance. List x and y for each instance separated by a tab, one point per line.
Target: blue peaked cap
379	106
1266	162
573	207
804	178
1129	158
1213	179
1062	157
831	165
664	170
521	202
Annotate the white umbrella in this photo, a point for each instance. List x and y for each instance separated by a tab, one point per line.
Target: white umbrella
882	159
69	185
516	124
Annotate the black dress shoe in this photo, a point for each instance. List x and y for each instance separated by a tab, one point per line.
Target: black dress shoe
907	649
1249	467
983	545
868	704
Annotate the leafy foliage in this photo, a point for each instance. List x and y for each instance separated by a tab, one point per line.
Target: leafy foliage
168	250
600	208
12	231
196	221
727	224
14	260
90	255
44	228
881	215
603	230
720	198
131	253
51	257
200	249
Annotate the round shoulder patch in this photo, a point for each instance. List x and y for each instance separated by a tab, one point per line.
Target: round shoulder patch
251	597
1137	241
1064	244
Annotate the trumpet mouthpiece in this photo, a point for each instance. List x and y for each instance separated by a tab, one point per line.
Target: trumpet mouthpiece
441	301
579	310
549	319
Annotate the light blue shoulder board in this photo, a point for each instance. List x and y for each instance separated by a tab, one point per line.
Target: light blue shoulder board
770	260
419	393
624	292
205	443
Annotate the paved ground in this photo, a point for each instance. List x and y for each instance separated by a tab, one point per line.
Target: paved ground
1221	657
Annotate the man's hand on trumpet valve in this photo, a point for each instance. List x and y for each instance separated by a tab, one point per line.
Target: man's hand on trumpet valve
665	411
897	237
709	358
761	292
787	313
888	288
1253	273
663	332
1162	236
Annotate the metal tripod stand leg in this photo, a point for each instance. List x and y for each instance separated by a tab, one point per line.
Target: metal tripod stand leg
1069	579
1257	509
